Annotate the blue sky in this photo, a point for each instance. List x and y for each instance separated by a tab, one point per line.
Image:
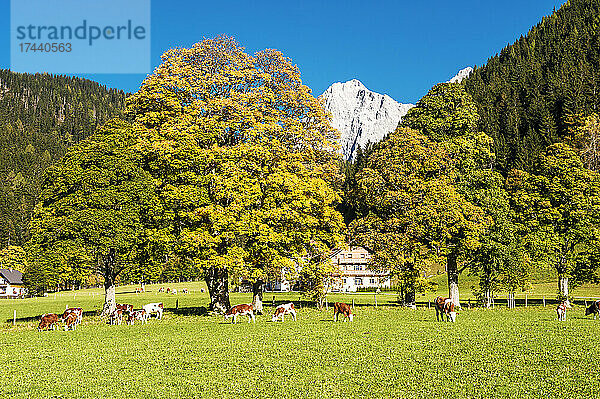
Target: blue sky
400	48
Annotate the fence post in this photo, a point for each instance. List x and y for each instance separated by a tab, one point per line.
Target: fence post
375	296
352	303
544	300
326	303
177	304
273	300
14	317
525	300
585	301
429	304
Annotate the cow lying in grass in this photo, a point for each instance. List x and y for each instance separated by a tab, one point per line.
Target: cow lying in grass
48	321
594	309
344	309
561	310
282	310
154	308
241	310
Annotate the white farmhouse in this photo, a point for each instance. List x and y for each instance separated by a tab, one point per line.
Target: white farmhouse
353	264
11	284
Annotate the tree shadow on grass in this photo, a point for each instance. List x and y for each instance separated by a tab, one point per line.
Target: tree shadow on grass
189	311
37	318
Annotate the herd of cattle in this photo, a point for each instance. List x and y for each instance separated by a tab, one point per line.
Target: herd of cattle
444	308
72	317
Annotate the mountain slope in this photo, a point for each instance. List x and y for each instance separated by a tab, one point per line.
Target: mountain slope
360	115
461	75
41	115
528	94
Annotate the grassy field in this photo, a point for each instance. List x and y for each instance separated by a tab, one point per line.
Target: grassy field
387	352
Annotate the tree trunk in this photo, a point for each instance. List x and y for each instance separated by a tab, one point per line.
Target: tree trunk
452	267
110	302
217	280
488	298
108	266
563	288
410	298
257	296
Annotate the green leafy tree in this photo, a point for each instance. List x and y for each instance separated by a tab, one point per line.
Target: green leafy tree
409	211
448	116
246	157
558	206
97	209
14	257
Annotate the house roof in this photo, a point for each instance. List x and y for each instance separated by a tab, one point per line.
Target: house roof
12	276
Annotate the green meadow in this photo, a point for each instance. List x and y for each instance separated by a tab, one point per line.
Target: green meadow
387	352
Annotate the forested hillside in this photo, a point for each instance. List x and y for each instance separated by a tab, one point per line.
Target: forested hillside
529	93
42	115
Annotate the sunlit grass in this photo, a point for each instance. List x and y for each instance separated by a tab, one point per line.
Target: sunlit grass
387	352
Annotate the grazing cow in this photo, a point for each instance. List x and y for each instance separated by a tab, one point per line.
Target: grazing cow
137	315
139	290
78	312
440	304
152	308
282	310
125	307
168	290
48	321
184	291
71	321
241	310
449	311
343	309
594	309
174	291
116	317
161	289
561	310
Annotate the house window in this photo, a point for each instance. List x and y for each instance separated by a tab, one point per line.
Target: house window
349	256
372	281
362	255
357	281
357	267
344	280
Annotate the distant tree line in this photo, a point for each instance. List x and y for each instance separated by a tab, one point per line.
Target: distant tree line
41	116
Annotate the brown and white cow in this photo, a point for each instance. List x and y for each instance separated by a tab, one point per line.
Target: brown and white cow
246	309
344	309
125	307
450	311
185	291
282	310
594	309
440	304
71	321
48	321
561	310
137	315
154	308
116	317
78	312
